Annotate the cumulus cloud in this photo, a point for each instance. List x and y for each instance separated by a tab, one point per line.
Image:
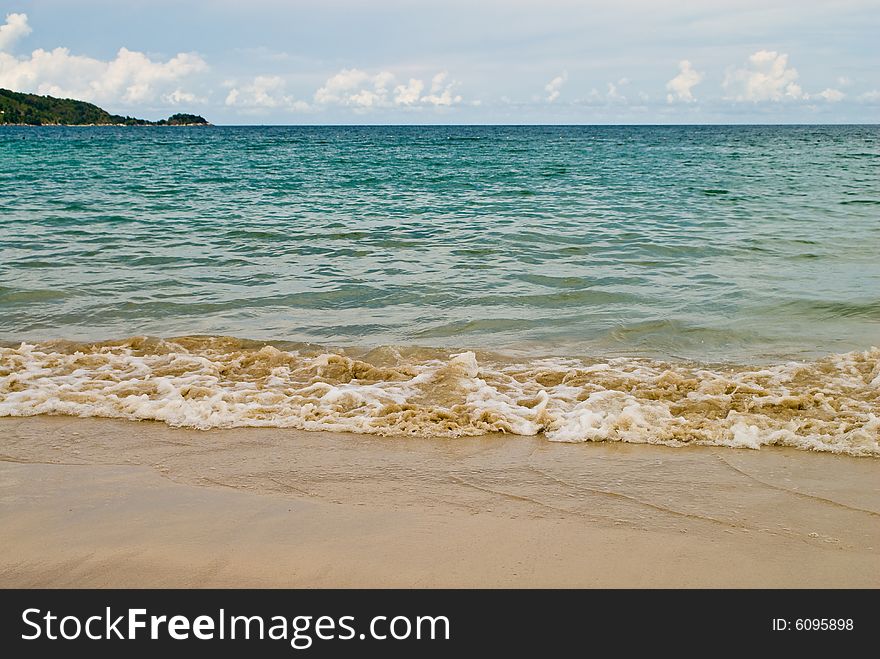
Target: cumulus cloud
441	91
766	77
131	77
680	86
831	95
263	92
410	93
352	87
15	28
363	91
554	87
871	97
179	96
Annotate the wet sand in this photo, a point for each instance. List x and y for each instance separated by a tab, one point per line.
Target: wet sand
106	503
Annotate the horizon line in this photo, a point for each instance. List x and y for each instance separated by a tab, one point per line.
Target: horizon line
461	125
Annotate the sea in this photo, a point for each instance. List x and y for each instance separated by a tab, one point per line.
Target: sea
677	285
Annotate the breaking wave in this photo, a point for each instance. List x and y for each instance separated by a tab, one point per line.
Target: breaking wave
829	404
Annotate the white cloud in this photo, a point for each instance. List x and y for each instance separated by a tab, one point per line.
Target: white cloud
832	95
680	86
844	81
263	92
15	28
871	97
410	93
131	77
554	87
335	87
441	91
179	96
767	77
363	91
348	88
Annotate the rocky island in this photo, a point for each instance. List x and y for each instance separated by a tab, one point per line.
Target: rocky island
35	110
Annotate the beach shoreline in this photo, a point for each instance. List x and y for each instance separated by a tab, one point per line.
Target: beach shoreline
110	503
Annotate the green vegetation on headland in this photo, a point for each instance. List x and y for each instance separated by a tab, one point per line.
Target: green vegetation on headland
35	110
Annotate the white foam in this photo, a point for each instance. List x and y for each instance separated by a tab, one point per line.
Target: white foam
827	405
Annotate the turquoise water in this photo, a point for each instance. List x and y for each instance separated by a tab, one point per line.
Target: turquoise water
680	285
709	243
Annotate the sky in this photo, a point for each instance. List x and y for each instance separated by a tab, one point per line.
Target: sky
452	61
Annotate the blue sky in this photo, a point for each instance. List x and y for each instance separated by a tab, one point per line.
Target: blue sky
476	61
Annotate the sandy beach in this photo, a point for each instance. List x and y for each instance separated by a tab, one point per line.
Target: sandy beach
106	503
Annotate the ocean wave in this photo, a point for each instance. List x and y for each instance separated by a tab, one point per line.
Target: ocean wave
829	404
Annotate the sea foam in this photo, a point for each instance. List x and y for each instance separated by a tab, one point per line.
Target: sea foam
829	404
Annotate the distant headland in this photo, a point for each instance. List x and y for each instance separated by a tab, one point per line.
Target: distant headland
36	110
